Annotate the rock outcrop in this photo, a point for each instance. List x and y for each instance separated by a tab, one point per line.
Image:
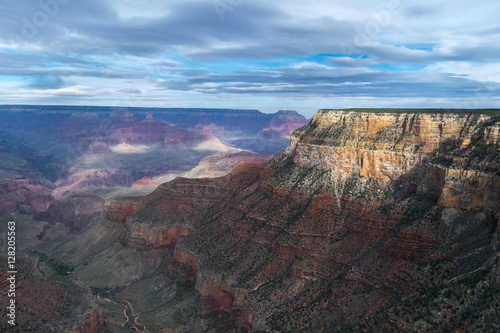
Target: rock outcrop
119	210
388	146
75	211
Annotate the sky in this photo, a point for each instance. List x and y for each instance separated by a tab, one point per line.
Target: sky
285	54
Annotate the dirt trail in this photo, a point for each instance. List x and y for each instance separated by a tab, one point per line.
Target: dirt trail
136	323
127	318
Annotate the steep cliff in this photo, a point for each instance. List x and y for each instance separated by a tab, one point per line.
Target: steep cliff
440	153
370	221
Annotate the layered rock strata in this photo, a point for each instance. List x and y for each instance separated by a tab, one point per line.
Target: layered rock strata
368	222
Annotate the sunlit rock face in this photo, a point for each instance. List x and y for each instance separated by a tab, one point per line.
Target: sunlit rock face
443	154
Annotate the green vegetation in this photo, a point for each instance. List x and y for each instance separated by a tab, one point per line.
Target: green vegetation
42	255
62	269
444	161
358	187
476	156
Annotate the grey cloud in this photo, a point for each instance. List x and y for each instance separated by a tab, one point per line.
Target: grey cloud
130	91
350	62
261	30
71	71
75	61
254	30
420	11
9	61
292	82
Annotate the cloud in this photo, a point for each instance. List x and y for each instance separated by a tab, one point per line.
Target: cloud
46	82
291	49
129	91
311	80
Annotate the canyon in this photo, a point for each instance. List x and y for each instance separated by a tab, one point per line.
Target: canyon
50	152
62	166
369	221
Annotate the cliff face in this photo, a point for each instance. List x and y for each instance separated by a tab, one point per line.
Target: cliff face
356	207
384	145
449	155
368	222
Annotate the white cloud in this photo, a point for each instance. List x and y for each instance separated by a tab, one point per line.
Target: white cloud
481	72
